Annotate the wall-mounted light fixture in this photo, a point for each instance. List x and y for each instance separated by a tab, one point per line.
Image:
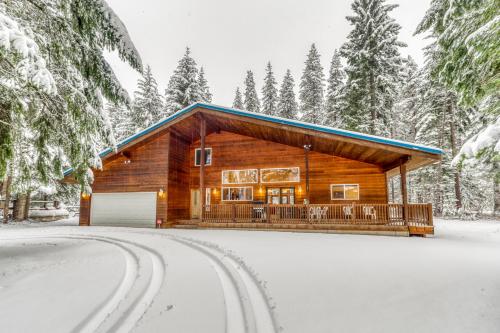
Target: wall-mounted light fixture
300	190
214	191
162	194
85	195
261	190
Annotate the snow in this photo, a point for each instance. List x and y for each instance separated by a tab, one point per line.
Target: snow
488	137
32	66
48	212
100	279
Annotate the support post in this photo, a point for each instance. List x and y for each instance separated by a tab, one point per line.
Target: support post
307	148
203	129
404	190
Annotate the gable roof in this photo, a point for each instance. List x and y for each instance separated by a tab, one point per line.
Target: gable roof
272	119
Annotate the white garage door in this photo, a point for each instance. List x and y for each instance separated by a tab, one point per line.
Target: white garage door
131	209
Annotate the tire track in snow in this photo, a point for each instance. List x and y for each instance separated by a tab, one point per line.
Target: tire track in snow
133	312
237	316
263	312
238	281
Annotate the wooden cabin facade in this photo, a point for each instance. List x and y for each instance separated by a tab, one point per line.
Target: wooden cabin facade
259	172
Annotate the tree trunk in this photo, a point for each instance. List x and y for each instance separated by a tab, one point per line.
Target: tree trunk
6	205
496	189
454	152
27	205
373	112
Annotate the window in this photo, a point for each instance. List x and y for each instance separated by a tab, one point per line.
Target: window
248	176
280	175
197	156
237	193
344	191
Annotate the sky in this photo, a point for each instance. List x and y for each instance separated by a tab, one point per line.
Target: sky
229	37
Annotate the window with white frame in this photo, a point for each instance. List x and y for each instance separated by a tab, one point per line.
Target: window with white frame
344	191
237	193
208	156
248	176
280	175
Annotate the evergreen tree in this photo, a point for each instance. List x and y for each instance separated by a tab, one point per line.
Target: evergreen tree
312	88
269	92
334	91
251	102
57	76
119	117
206	95
147	107
183	87
287	104
238	100
467	62
373	64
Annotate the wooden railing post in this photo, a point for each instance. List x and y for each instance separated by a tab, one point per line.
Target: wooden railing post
429	212
233	212
353	212
268	213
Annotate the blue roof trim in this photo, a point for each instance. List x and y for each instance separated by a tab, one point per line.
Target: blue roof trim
283	121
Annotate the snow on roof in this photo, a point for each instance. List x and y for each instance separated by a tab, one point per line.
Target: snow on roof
274	119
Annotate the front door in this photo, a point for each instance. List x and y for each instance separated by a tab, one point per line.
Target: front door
195	204
281	195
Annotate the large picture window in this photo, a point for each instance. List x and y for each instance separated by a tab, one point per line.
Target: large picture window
280	175
344	191
237	193
249	176
197	156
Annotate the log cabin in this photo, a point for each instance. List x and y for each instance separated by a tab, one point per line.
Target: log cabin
209	166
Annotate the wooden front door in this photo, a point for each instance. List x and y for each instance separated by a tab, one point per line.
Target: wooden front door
280	195
195	204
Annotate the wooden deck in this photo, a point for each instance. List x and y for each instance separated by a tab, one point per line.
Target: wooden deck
386	219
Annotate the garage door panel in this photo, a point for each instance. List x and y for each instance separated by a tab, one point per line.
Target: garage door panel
130	209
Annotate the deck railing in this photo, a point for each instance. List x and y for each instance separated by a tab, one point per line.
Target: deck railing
356	213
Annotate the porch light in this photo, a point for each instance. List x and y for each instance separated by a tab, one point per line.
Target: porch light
214	191
299	190
261	190
161	194
85	195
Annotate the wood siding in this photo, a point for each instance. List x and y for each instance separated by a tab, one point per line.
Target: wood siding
146	172
234	152
178	180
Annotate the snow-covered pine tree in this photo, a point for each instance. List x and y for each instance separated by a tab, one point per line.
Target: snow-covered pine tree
287	103
54	63
119	117
406	111
251	101
373	64
312	88
334	91
147	107
269	92
467	44
238	100
206	95
183	87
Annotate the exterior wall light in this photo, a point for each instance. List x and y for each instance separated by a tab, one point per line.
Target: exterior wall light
162	194
85	195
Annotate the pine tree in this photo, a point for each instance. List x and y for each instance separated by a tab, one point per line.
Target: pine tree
58	76
467	44
251	101
312	88
334	91
373	63
287	104
238	100
183	87
206	95
147	107
269	92
119	117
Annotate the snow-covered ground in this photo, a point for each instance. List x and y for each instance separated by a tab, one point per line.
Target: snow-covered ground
57	277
